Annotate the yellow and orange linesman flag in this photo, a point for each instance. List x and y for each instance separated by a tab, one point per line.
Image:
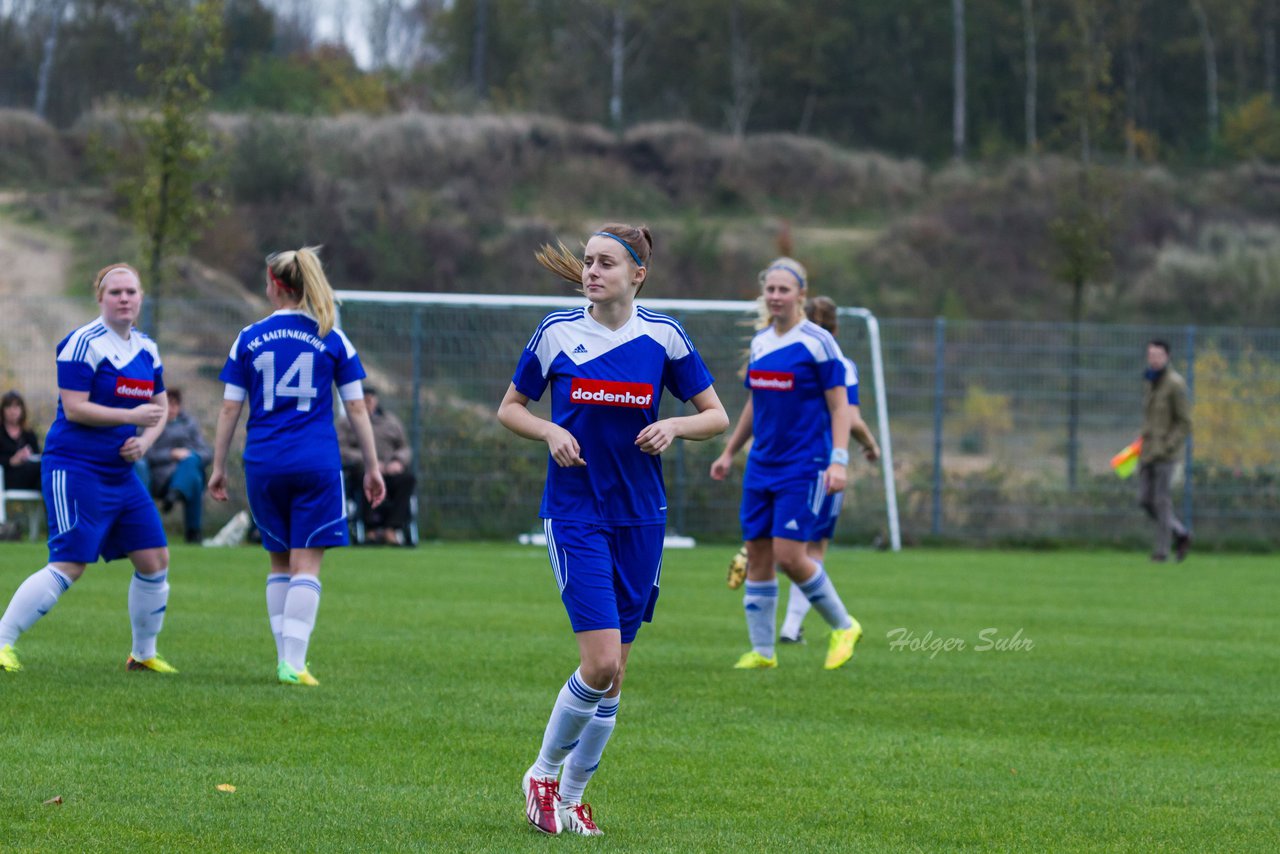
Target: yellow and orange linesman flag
1126	461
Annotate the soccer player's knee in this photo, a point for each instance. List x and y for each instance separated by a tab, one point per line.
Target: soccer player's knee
601	672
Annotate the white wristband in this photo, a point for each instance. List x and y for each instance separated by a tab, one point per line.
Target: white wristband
839	456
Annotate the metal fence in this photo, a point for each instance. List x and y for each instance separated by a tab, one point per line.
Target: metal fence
1002	431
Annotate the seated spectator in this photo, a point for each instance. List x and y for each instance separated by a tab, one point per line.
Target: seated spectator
19	445
385	523
174	468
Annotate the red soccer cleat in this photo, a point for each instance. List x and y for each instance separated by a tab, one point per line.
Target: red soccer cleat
541	800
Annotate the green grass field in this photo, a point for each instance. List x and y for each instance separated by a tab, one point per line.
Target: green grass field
1143	717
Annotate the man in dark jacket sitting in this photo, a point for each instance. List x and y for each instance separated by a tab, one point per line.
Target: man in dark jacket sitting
174	467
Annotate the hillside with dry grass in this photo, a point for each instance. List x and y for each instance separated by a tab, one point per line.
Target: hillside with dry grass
419	201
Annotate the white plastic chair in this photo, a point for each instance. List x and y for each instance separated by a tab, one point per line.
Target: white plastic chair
21	495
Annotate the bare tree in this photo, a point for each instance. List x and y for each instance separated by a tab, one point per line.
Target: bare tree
957	79
1210	70
1029	98
480	39
1269	47
395	33
56	11
744	75
1130	19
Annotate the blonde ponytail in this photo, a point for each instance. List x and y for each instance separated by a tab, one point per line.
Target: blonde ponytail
303	276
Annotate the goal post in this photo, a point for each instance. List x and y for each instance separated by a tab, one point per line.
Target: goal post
404	324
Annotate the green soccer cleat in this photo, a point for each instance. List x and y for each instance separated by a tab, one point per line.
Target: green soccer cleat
288	676
155	664
840	648
755	661
9	659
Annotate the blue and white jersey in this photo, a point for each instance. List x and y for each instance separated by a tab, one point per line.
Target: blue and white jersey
287	373
851	380
116	372
788	376
605	388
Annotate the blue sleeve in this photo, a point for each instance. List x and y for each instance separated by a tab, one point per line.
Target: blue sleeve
853	395
159	380
348	369
687	377
831	373
233	370
529	379
75	376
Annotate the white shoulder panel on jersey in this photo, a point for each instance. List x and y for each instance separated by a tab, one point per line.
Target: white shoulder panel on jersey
346	342
667	331
821	343
850	373
150	346
79	345
553	335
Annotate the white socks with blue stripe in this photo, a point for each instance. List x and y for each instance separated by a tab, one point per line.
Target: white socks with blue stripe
148	598
760	602
277	591
797	610
33	599
300	607
825	600
584	759
575	707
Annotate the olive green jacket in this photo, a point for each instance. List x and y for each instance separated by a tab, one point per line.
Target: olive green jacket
1166	420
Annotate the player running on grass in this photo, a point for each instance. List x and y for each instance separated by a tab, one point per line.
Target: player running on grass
798	413
110	383
285	365
604	506
822	311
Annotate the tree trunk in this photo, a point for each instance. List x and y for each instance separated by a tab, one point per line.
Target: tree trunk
743	75
1029	37
1210	71
618	53
1269	49
480	39
1073	394
46	61
957	78
1130	100
159	234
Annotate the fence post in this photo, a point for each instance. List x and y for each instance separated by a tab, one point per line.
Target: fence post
939	399
1187	490
415	414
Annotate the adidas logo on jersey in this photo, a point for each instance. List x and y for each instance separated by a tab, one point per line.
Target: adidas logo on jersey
608	393
579	350
772	380
792	526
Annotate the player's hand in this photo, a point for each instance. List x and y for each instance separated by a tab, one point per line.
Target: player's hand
657	437
393	467
24	454
872	453
721	466
836	478
132	451
218	486
375	488
180	454
146	415
564	448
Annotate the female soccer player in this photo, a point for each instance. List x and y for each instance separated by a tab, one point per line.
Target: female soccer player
110	383
799	414
604	506
822	311
285	365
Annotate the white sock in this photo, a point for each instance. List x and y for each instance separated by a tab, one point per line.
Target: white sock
584	759
277	590
825	600
300	607
32	600
148	598
797	609
760	602
575	708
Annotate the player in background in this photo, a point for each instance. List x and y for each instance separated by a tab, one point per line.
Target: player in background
285	366
604	506
798	413
822	311
110	384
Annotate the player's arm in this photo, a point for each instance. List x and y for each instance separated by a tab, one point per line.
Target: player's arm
740	436
136	447
228	417
78	409
514	414
375	489
710	420
837	474
859	430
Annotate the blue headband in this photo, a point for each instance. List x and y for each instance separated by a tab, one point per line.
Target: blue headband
625	245
788	269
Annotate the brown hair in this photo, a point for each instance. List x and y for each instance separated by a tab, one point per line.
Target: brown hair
10	398
111	268
300	273
174	395
566	264
822	311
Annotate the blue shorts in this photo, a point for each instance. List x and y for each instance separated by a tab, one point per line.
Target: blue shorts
93	515
607	574
828	515
298	510
787	509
